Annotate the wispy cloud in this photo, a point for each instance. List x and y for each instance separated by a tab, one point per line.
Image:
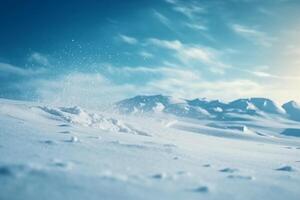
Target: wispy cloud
189	83
39	58
185	82
8	70
162	18
263	73
162	71
189	54
192	10
146	54
188	9
128	39
184	52
256	36
198	87
174	44
198	27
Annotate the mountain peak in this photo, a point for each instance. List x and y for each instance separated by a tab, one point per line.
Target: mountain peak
292	108
258	104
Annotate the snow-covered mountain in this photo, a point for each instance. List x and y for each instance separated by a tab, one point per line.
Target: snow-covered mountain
210	109
256	105
292	108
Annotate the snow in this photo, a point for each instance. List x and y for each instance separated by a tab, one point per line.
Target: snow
158	108
293	110
71	152
77	115
286	168
204	108
218	109
251	106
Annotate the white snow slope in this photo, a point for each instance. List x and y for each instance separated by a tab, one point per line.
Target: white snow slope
72	153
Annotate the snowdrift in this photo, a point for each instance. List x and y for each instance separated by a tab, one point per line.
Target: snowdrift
77	115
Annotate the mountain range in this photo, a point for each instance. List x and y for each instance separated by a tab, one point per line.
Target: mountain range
202	108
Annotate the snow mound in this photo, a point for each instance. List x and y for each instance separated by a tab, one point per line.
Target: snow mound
77	115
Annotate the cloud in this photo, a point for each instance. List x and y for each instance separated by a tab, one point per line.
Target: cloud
189	9
262	72
16	82
162	71
171	1
188	83
39	58
198	87
191	55
94	90
197	27
196	53
257	37
8	70
191	83
292	50
273	76
163	19
173	45
128	39
145	54
192	11
184	52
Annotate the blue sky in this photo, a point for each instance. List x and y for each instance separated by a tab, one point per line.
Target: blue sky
101	51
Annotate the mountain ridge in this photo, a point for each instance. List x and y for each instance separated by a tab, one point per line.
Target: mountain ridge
201	108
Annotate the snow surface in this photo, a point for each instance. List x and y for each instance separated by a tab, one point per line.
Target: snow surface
70	152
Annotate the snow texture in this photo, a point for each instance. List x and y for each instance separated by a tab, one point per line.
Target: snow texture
156	147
